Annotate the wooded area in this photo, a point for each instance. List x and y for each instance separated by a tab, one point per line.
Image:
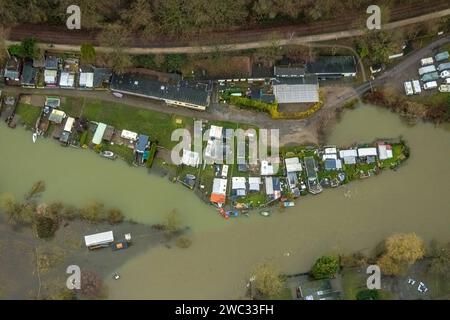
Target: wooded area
181	17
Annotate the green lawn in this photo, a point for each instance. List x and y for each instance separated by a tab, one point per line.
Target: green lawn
72	106
28	114
123	152
159	126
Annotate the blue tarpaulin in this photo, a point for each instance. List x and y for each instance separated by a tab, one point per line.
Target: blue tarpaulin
142	143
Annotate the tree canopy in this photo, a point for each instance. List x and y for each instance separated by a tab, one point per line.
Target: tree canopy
267	281
325	267
400	251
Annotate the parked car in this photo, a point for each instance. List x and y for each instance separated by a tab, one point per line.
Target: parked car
430	85
444	88
445	74
447	81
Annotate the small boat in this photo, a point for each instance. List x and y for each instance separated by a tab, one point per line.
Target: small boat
190	176
234	213
116	276
119	245
117	94
108	155
35	137
287	204
223	213
264	213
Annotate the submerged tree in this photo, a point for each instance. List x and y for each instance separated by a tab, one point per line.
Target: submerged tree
400	251
267	281
92	285
173	221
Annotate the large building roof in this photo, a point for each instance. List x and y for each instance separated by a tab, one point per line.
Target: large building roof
289	71
139	84
296	90
28	73
332	65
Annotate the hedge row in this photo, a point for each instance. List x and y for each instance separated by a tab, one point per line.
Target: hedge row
272	108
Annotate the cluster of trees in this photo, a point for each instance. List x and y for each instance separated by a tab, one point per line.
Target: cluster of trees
46	218
175	17
399	252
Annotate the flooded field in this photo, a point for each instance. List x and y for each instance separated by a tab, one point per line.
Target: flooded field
217	265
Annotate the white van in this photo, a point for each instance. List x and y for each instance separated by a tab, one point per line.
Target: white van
408	88
426	61
416	87
444	88
430	85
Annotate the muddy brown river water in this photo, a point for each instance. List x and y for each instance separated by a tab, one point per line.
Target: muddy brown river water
354	217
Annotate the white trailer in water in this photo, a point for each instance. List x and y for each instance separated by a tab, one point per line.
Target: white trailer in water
98	240
416	87
427	69
408	88
426	61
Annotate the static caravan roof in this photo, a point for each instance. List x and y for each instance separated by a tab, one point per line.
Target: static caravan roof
69	124
385	151
99	238
269	185
225	170
293	164
98	135
215	132
142	143
50	76
57	116
190	158
238	183
130	135
365	152
67	79
330	150
348	153
220	186
87	79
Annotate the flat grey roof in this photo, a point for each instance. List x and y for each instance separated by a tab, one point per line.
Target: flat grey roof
197	94
288	71
332	65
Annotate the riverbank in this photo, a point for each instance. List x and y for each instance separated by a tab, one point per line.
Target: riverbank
433	108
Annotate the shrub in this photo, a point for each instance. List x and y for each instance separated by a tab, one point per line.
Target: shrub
46	226
325	267
152	155
183	242
83	138
115	216
368	294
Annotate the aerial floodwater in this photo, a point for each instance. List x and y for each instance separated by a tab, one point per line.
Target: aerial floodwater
346	219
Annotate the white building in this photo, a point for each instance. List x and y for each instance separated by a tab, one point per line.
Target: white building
367	152
254	183
293	164
190	158
385	151
349	156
